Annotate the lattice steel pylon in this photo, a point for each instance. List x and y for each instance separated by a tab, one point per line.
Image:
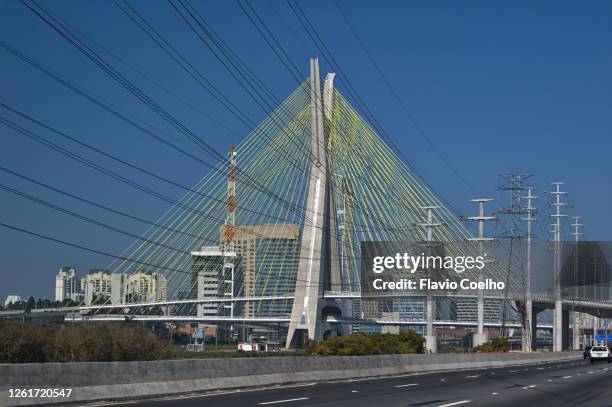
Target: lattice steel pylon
515	184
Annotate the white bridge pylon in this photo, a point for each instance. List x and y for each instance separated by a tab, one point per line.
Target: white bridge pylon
318	254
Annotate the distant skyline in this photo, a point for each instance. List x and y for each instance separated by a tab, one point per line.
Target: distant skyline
498	87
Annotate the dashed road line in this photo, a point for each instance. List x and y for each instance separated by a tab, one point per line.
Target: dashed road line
456	403
407	385
282	401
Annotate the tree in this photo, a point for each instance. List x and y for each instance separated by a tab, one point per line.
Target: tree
31	304
16	305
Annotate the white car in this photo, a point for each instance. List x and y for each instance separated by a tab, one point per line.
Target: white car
600	353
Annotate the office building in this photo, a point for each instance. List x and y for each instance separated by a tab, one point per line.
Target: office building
270	259
215	274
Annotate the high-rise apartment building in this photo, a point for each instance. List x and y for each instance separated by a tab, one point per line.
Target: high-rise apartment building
67	285
12	299
97	287
145	286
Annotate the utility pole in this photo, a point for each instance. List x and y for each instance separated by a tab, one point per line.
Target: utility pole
528	334
558	313
578	316
431	341
480	336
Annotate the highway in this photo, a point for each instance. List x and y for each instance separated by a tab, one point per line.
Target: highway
576	383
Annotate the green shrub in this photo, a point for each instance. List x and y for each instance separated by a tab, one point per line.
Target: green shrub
494	345
26	343
367	344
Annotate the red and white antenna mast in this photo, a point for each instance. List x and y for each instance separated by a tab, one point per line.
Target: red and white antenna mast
229	234
229	238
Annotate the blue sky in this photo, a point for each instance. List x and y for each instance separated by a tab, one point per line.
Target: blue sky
521	86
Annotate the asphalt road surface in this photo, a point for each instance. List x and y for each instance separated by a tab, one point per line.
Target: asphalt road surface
576	383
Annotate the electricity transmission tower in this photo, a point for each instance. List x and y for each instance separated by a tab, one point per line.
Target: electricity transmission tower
516	184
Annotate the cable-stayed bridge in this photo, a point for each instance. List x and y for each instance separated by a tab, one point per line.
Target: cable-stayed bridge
274	236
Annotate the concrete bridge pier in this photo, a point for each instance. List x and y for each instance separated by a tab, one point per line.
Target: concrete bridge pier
431	340
527	337
565	331
577	342
558	326
530	338
480	337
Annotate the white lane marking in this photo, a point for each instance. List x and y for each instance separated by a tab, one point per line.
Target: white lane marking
492	373
354	391
540	368
219	393
566	377
512	371
282	401
550	380
532	386
407	385
471	377
591	372
456	403
495	394
442	380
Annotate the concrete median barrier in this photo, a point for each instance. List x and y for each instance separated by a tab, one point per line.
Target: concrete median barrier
119	380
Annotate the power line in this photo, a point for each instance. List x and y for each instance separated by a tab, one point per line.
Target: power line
126	163
105	171
90	54
316	39
123	117
78	246
410	115
96	204
86	219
